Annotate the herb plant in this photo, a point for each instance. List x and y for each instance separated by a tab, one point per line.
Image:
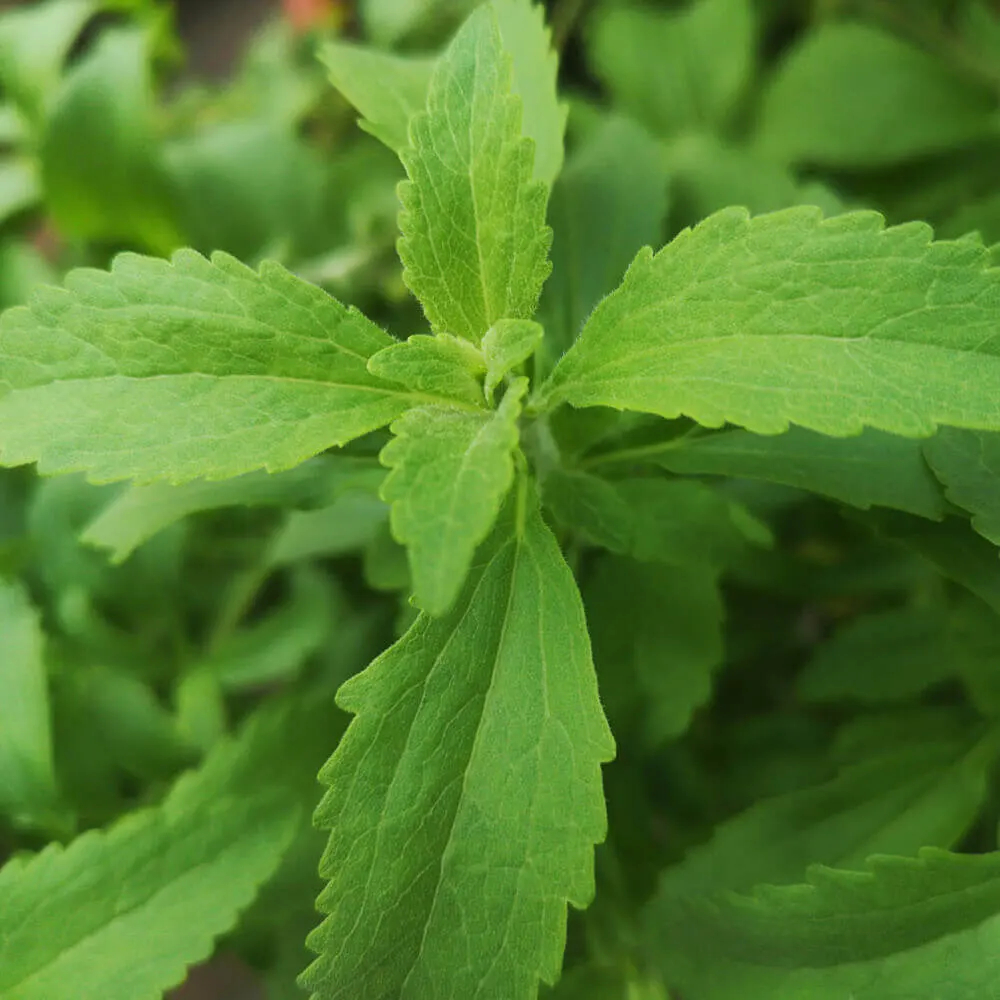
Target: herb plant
606	472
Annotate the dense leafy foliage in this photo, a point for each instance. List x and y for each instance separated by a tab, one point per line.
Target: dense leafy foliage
594	460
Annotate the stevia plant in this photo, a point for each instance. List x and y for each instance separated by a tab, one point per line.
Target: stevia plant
543	443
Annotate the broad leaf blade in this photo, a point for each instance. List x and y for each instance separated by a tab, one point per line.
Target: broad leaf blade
851	95
474	240
27	778
506	345
443	365
163	370
119	915
450	473
832	324
905	929
465	798
968	463
872	468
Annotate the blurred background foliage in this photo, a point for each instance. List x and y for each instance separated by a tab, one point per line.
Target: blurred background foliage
162	616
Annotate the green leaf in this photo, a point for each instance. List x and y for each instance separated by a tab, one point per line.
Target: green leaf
851	95
657	670
904	929
274	649
450	473
507	344
388	90
100	162
535	67
676	71
832	324
474	240
174	370
347	525
951	547
883	657
872	468
140	512
968	463
34	43
913	795
19	188
676	521
609	202
27	778
120	914
443	365
465	797
248	186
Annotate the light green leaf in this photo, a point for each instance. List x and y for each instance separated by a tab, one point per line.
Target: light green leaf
163	370
345	526
883	657
832	324
968	463
608	203
851	95
34	43
474	240
140	512
923	793
100	162
388	90
872	468
535	68
387	22
443	365
904	929
120	914
465	797
450	473
657	670
27	778
676	71
507	344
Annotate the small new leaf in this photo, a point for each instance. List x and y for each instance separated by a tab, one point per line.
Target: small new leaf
474	241
465	798
450	472
443	366
163	370
507	344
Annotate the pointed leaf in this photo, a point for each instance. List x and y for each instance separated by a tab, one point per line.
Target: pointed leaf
174	370
832	324
466	797
387	89
120	914
474	240
450	473
872	468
